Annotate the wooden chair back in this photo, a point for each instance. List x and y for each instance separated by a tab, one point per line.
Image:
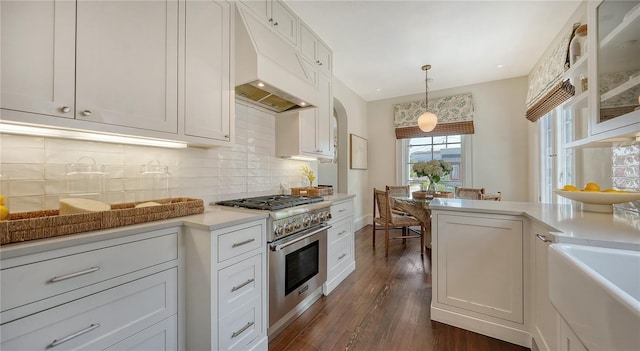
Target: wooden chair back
469	193
381	199
398	190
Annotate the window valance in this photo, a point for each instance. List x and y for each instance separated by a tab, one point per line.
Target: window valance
455	116
546	88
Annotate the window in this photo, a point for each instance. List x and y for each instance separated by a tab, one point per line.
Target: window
556	162
449	148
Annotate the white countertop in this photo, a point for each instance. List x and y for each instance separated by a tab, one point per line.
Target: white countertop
566	223
213	218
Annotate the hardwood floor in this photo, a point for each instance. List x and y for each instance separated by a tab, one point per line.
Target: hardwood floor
383	305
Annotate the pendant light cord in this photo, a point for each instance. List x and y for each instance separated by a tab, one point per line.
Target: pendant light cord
426	69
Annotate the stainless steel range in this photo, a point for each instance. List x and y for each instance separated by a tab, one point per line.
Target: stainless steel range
297	242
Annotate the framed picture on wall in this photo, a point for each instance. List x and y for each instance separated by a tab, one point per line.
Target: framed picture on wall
358	152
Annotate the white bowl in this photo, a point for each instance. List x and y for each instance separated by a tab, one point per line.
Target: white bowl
597	201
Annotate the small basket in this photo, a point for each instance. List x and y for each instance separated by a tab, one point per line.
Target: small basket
313	191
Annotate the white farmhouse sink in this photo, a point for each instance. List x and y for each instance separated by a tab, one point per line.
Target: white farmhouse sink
597	292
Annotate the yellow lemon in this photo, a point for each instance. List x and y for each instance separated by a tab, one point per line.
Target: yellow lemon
592	187
570	188
1	200
4	213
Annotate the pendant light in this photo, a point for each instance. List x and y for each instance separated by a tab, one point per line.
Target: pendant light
427	121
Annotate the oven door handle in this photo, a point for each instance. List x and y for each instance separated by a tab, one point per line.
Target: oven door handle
278	247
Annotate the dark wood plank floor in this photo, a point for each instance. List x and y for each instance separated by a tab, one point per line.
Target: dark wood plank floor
383	305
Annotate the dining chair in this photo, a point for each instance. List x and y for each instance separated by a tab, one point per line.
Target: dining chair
398	190
469	193
383	217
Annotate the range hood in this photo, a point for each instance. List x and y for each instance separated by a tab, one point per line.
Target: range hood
269	72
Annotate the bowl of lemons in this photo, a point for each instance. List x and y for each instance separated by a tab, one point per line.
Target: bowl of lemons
593	199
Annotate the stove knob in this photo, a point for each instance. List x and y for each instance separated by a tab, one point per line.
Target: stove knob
289	228
306	221
279	230
315	218
328	215
298	225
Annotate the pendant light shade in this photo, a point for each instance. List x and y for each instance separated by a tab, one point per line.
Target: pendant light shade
428	120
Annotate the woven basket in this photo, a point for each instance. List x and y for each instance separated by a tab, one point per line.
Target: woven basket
315	191
26	226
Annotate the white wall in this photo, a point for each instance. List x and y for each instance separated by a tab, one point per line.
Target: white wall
499	145
356	111
36	165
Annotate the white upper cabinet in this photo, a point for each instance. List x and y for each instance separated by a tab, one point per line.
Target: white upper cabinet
281	19
38	59
127	63
325	117
314	50
208	98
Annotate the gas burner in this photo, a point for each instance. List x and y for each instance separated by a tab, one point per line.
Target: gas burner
271	202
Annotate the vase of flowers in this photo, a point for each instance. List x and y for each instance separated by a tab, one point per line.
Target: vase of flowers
434	170
308	173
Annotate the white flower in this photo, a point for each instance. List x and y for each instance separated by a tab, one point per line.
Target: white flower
434	169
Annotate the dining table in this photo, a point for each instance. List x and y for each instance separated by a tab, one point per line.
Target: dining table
417	207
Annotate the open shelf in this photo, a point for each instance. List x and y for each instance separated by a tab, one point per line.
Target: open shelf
577	101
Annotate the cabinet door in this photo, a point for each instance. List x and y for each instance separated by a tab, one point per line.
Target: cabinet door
126	63
325	117
480	265
308	44
568	340
208	97
284	22
545	317
162	336
308	136
38	59
323	56
262	8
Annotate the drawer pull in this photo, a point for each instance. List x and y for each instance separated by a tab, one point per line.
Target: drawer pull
342	233
249	324
342	256
342	210
235	288
543	238
243	242
57	342
73	275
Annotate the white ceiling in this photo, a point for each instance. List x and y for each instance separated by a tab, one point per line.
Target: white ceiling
383	44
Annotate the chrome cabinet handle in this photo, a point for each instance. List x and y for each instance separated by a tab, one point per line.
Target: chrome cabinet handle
73	275
236	333
543	238
342	256
275	23
57	342
235	288
342	233
65	109
318	62
86	113
243	242
342	210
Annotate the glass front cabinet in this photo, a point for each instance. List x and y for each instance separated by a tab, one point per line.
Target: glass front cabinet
614	70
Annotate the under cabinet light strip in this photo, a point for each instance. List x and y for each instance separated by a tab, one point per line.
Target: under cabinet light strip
80	135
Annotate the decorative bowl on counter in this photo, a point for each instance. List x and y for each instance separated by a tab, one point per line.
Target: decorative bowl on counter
599	201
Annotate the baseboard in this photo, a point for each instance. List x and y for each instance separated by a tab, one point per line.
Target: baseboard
480	326
330	285
359	223
261	345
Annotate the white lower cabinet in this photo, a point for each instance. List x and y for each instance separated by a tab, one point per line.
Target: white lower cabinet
479	274
80	297
568	341
544	318
340	248
226	287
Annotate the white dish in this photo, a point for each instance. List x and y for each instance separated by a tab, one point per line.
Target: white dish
597	201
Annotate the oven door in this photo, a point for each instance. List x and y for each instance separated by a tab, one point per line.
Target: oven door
297	267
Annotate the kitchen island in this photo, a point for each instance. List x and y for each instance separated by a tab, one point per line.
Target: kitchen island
490	264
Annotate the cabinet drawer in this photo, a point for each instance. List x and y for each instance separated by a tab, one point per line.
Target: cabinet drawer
342	209
240	239
161	336
239	284
51	277
97	321
339	229
339	252
241	328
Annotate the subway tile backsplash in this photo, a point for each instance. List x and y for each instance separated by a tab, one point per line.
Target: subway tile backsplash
36	166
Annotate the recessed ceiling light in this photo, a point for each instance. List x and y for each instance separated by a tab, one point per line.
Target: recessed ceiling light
302	103
378	89
500	66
